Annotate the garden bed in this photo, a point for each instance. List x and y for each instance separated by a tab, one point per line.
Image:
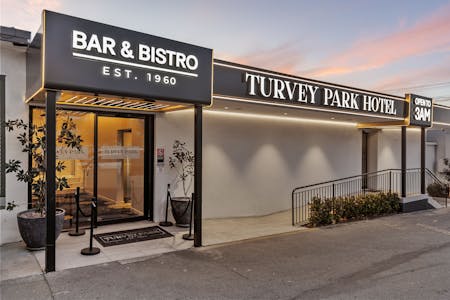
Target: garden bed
326	211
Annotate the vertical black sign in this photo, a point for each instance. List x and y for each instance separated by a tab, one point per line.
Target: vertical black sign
420	110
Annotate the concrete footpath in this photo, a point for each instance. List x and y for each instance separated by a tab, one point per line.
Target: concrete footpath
398	257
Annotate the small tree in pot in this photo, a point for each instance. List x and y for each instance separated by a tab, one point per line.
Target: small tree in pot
32	140
182	161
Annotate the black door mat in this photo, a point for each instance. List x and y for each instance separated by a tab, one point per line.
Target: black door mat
131	236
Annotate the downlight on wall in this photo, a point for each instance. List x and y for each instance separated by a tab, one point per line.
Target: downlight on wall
278	118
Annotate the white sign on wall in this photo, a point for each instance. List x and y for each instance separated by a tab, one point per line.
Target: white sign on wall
67	153
120	152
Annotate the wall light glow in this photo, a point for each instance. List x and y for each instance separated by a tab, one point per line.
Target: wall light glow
441	123
409	129
279	118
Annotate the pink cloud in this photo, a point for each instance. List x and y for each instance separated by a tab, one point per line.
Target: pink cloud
25	15
284	58
421	79
429	35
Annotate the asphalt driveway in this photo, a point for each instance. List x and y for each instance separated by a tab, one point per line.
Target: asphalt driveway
398	257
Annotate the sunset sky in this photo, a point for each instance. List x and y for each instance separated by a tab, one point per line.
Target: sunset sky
387	46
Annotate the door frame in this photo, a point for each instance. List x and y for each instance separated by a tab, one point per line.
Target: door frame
149	154
148	164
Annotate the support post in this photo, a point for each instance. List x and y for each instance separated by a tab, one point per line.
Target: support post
50	172
403	166
198	132
422	160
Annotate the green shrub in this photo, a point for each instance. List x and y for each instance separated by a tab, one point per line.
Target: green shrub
320	212
437	190
335	210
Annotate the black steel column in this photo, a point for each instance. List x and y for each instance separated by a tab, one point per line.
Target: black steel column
198	132
403	167
95	173
422	160
30	156
50	188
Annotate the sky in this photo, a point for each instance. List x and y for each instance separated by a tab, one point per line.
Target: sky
386	46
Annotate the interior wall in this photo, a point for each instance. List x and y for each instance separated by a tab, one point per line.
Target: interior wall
110	184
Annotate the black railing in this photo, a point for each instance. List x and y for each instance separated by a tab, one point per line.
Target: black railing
386	181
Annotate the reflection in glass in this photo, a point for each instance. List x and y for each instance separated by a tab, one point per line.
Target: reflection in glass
120	167
79	164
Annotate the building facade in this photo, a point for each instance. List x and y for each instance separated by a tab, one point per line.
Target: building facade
258	133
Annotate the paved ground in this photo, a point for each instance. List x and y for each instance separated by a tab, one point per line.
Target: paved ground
399	257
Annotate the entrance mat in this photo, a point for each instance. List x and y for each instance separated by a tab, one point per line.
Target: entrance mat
131	236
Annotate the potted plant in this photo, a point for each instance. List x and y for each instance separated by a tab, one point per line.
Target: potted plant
182	161
31	222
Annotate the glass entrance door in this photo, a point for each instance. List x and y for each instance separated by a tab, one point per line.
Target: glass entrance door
120	168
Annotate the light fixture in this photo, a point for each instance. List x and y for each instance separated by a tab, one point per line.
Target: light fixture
285	113
226	107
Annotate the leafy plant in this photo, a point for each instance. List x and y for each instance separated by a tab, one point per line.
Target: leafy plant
446	170
320	212
436	189
32	140
335	210
182	160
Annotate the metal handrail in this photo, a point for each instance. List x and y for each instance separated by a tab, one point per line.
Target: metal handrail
345	178
432	175
387	180
367	174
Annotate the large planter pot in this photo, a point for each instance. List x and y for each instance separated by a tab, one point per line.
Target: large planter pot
181	210
33	230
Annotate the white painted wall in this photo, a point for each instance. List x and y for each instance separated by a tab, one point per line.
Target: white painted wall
169	127
442	139
389	148
431	162
12	64
251	165
372	152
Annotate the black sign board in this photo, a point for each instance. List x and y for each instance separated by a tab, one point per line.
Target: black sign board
82	55
264	86
420	110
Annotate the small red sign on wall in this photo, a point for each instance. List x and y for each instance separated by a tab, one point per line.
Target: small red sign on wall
160	155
